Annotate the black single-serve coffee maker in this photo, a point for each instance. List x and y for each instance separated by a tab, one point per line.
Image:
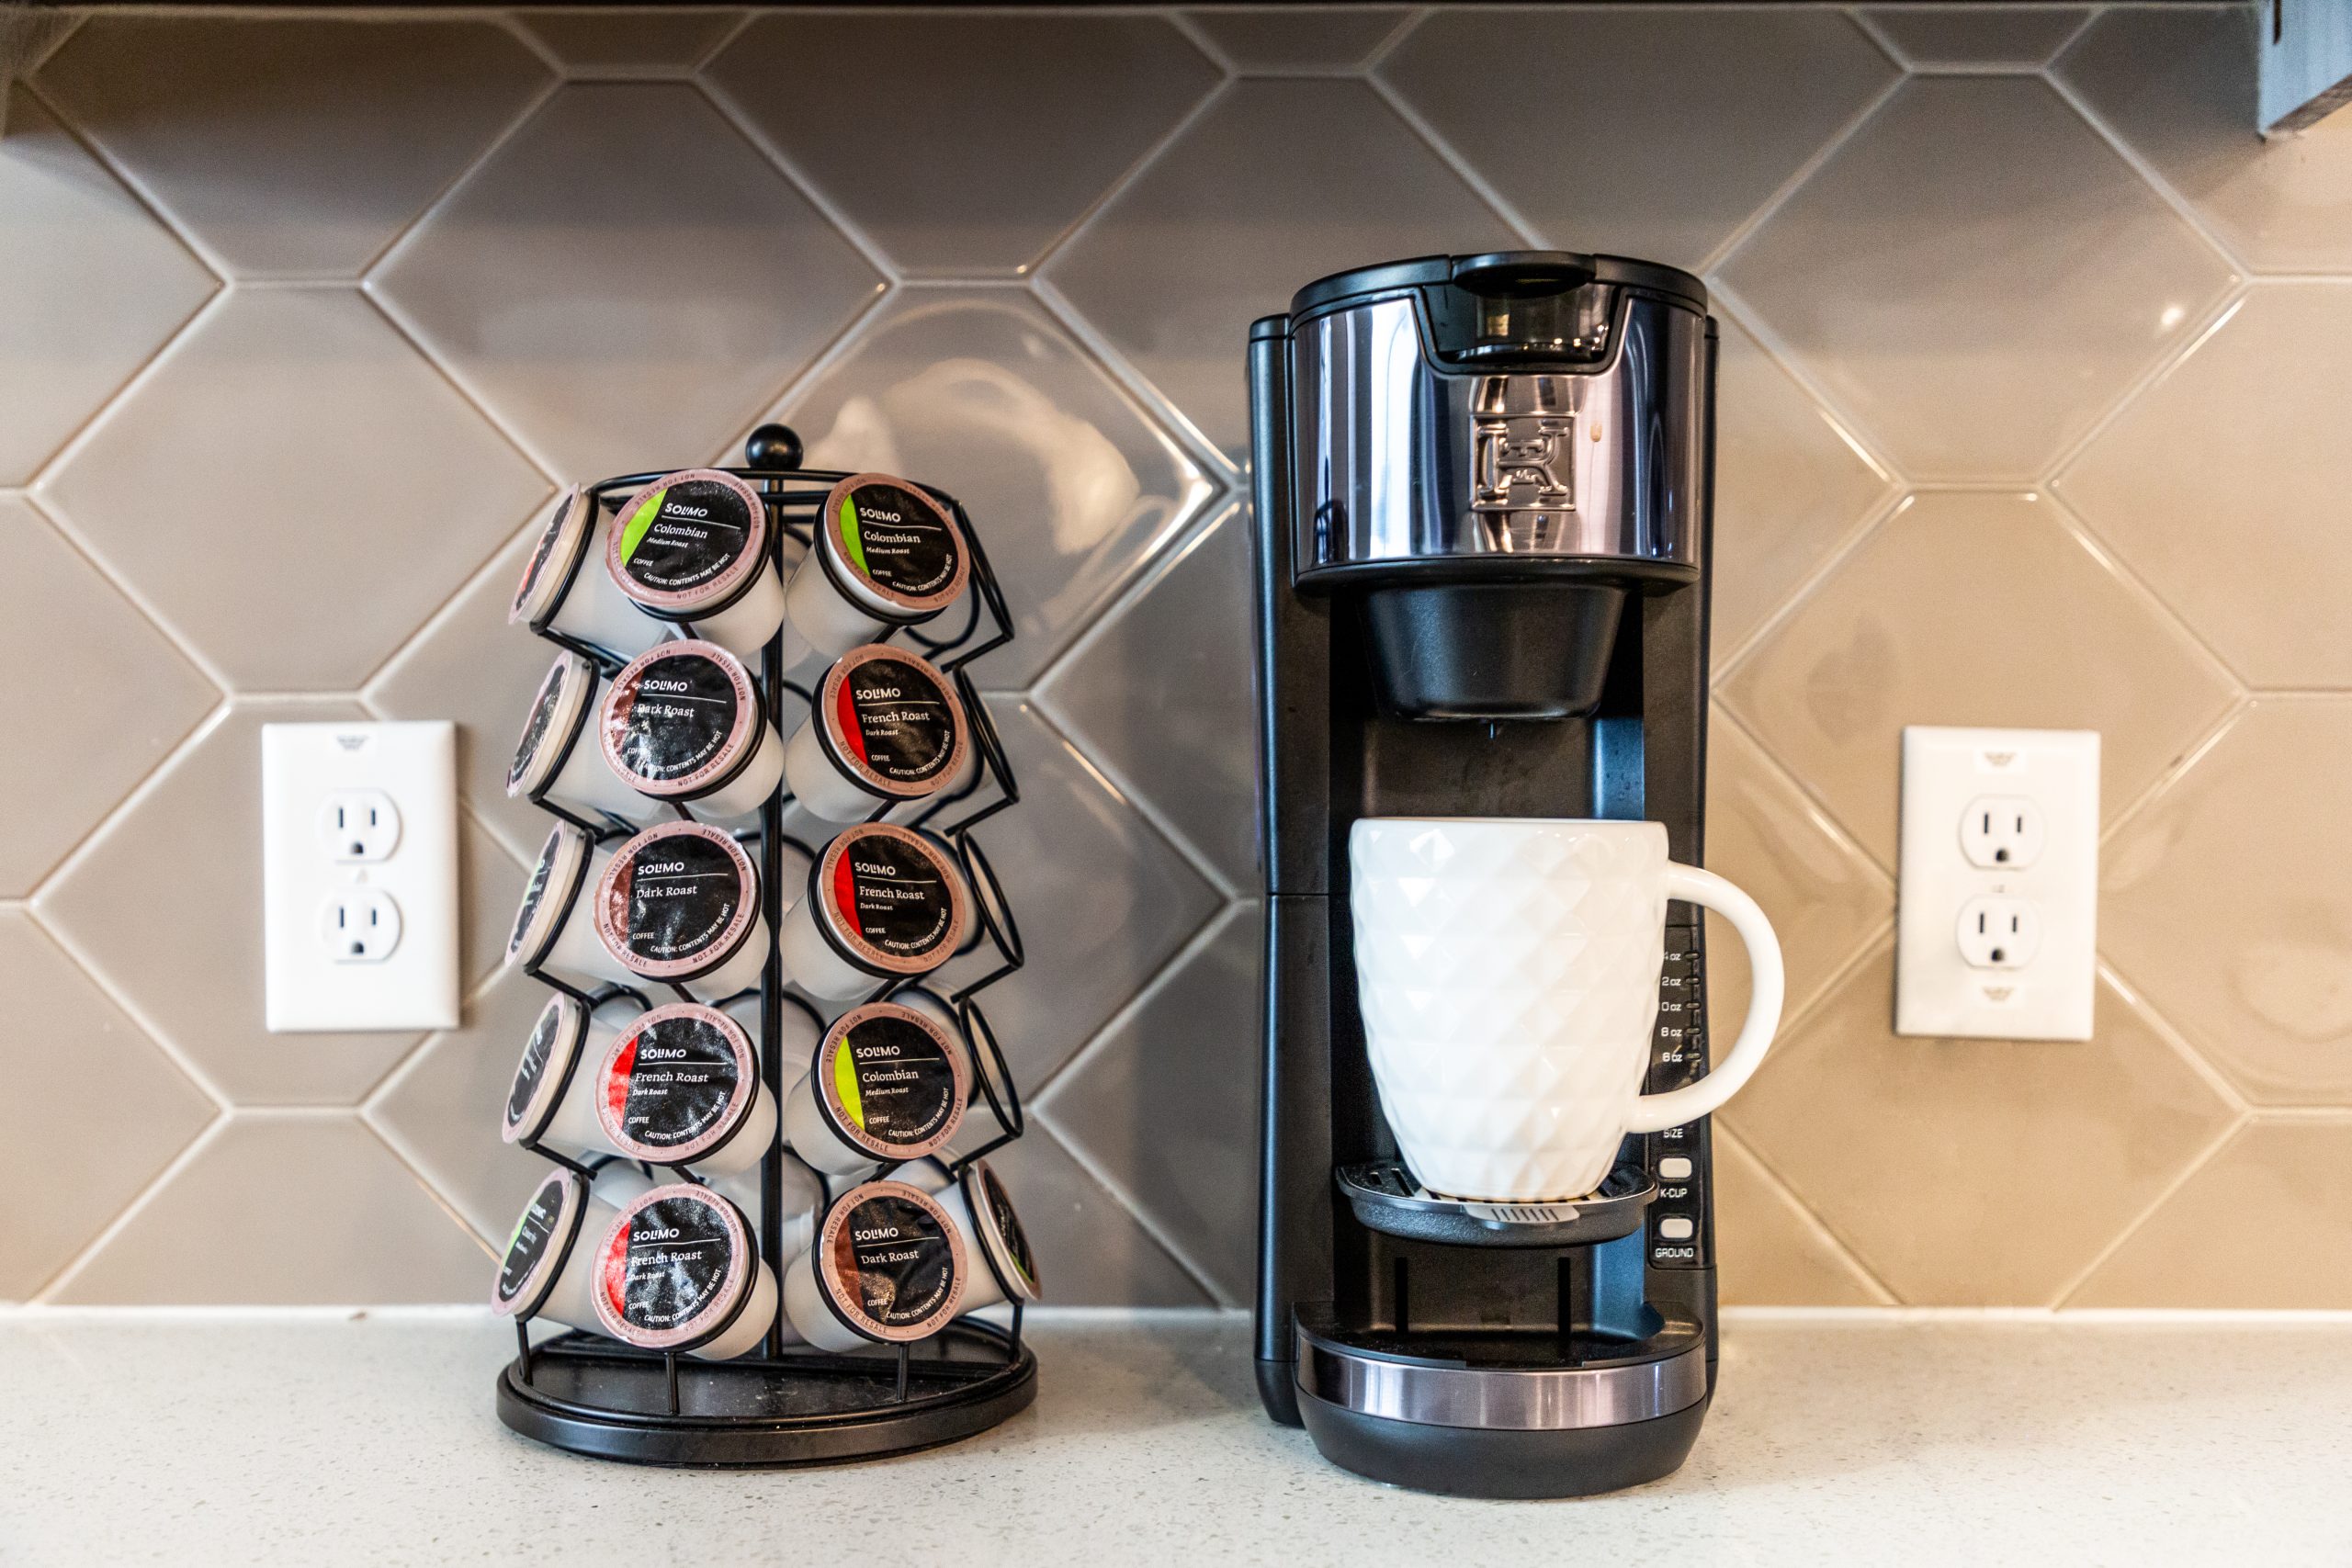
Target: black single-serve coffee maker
1483	507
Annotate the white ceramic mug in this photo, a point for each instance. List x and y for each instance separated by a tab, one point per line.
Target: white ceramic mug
1507	973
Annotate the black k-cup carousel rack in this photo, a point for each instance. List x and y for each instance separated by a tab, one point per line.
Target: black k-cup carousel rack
782	1407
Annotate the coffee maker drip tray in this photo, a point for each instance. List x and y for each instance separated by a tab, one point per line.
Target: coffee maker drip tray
1387	1199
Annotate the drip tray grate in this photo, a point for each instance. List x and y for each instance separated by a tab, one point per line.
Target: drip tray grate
1385	1198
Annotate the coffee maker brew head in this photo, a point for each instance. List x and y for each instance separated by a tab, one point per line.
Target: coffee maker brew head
1490	455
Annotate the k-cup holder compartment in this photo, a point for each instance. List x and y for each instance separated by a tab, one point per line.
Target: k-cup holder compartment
691	551
679	1271
883	554
888	1265
975	1200
685	725
566	592
886	728
886	1084
882	903
558	764
676	1086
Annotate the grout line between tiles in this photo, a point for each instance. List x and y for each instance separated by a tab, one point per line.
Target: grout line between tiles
1147	569
1195	35
2173	1036
206	1136
2172	772
1407	26
2162	187
1126	178
1220	470
136	795
443	614
2218	314
864	323
439	1200
140	191
1869	29
413	334
1469	174
1143	1221
1778	1187
2073	1284
1132	1008
1729	246
810	191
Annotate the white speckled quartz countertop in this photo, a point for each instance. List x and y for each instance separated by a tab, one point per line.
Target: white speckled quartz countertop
226	1439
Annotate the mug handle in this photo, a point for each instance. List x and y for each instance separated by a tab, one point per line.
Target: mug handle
1656	1112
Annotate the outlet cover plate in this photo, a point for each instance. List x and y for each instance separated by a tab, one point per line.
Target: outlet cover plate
1937	991
311	987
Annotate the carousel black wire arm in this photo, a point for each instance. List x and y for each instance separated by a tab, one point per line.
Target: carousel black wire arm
773	450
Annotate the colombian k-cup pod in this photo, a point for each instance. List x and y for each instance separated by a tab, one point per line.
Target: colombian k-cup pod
685	723
883	902
550	932
886	727
886	555
565	590
557	762
886	1085
982	1213
886	1266
677	1270
680	904
691	549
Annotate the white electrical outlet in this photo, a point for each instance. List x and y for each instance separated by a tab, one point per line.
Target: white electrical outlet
1997	913
359	876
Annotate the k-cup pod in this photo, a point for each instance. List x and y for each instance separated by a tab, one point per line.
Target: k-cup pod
886	727
680	1086
883	903
679	905
549	1267
886	1085
685	724
691	548
551	930
885	556
564	587
565	1034
556	760
678	1271
886	1266
982	1211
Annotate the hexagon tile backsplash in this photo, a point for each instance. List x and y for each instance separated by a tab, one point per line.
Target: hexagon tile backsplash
2034	365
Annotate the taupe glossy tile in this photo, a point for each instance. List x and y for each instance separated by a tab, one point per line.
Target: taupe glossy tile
114	1114
291	1209
440	1108
1662	128
95	286
294	489
980	392
2036	275
2228	487
1769	1250
1221	230
1101	899
1158	693
1914	1152
165	905
292	146
962	142
1972	609
1788	486
2228	901
1298	38
627	280
617	39
1166	1103
1090	1249
2179	84
2021	36
469	665
107	697
2265	1224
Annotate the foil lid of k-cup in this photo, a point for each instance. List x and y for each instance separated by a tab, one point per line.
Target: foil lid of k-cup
675	1270
545	1068
553	725
554	560
543	1240
546	898
888	544
689	543
677	901
888	1264
888	900
1000	1236
889	1081
677	1084
681	720
891	721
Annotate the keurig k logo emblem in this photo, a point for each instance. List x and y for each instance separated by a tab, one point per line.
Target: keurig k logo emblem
1519	431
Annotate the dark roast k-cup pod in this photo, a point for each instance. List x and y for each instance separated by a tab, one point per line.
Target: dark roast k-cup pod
685	722
679	904
886	1266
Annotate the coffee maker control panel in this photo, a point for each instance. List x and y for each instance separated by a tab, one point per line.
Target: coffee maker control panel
1679	1232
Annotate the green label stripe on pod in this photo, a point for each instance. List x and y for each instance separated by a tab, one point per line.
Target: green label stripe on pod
633	532
852	543
846	1087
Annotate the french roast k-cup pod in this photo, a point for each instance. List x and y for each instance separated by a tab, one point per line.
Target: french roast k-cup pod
982	1211
886	1085
565	589
557	762
685	723
679	905
885	556
886	1266
680	1086
551	932
691	549
886	727
678	1271
883	902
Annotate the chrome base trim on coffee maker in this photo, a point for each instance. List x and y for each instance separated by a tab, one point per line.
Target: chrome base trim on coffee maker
1507	1398
1385	1198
